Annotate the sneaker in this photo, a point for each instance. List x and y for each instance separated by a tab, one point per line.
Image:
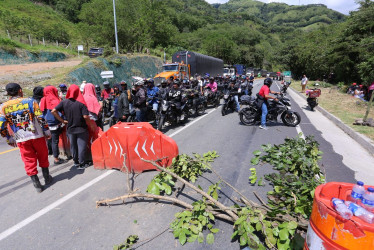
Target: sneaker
263	127
60	161
81	166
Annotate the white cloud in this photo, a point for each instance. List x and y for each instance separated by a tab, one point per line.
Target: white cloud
343	6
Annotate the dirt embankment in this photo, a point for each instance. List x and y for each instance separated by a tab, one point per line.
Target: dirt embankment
28	75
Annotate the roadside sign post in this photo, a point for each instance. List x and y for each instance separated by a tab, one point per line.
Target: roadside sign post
80	48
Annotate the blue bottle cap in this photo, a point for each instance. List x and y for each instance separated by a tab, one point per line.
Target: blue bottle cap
360	183
371	189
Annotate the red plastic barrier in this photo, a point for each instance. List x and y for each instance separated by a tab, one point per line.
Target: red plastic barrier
135	141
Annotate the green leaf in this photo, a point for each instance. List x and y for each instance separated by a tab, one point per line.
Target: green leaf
192	238
240	220
200	238
182	238
257	152
277	189
234	234
255	160
292	225
258	226
153	188
243	240
210	238
283	234
214	230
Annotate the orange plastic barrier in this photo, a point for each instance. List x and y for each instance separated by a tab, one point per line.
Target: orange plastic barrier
328	230
135	141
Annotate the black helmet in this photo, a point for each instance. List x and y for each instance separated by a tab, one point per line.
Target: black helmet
211	78
268	82
97	87
164	82
177	81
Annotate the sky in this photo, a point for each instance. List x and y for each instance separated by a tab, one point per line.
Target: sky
343	6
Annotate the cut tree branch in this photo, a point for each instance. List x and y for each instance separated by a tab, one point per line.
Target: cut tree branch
215	202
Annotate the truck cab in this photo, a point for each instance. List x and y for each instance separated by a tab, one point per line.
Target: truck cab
178	70
228	72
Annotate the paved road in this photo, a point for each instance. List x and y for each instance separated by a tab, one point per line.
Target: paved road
64	216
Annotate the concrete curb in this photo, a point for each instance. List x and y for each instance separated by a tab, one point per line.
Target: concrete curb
364	141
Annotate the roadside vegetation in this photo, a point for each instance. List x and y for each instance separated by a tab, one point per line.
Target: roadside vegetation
344	106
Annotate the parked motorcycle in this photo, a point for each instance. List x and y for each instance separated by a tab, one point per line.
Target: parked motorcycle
285	87
252	114
169	113
229	103
312	100
211	98
195	104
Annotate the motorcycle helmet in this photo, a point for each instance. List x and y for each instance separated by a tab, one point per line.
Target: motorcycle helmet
268	82
106	85
97	87
177	81
62	86
164	82
243	76
211	78
139	83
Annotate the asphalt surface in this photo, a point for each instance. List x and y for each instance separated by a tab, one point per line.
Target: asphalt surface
65	216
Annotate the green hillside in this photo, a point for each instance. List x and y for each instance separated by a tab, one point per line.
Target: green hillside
23	18
280	16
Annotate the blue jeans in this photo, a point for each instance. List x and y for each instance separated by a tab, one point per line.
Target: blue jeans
264	110
141	114
236	98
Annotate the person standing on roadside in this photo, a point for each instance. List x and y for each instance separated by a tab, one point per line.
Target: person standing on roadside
304	82
47	103
123	107
140	101
37	94
78	120
22	124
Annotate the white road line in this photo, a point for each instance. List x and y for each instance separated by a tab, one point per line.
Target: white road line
298	129
45	210
190	123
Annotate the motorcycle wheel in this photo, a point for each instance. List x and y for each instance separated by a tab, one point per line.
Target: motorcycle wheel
291	119
224	109
248	116
200	109
160	123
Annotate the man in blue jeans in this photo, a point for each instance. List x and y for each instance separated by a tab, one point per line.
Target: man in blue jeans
264	92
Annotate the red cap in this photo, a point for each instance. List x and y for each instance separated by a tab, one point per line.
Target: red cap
354	84
361	86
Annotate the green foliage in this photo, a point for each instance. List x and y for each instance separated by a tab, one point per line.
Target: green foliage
187	167
298	175
253	229
253	176
188	226
129	242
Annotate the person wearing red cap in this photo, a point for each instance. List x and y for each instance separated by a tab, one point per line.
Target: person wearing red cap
21	122
352	88
77	119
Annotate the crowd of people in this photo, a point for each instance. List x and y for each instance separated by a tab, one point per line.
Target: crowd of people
69	118
361	91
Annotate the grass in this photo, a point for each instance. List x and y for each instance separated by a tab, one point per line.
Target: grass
344	106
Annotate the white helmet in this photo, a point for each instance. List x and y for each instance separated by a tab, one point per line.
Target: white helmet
139	83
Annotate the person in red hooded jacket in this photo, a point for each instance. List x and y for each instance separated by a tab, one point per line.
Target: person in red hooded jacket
78	121
47	104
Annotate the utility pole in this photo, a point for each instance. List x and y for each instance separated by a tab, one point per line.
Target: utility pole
115	25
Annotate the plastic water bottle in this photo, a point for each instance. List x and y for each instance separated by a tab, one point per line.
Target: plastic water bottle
360	212
341	208
368	199
358	191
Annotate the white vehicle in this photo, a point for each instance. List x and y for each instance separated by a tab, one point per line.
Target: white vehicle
228	72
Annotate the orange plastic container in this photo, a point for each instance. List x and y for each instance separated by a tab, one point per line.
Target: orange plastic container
328	230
